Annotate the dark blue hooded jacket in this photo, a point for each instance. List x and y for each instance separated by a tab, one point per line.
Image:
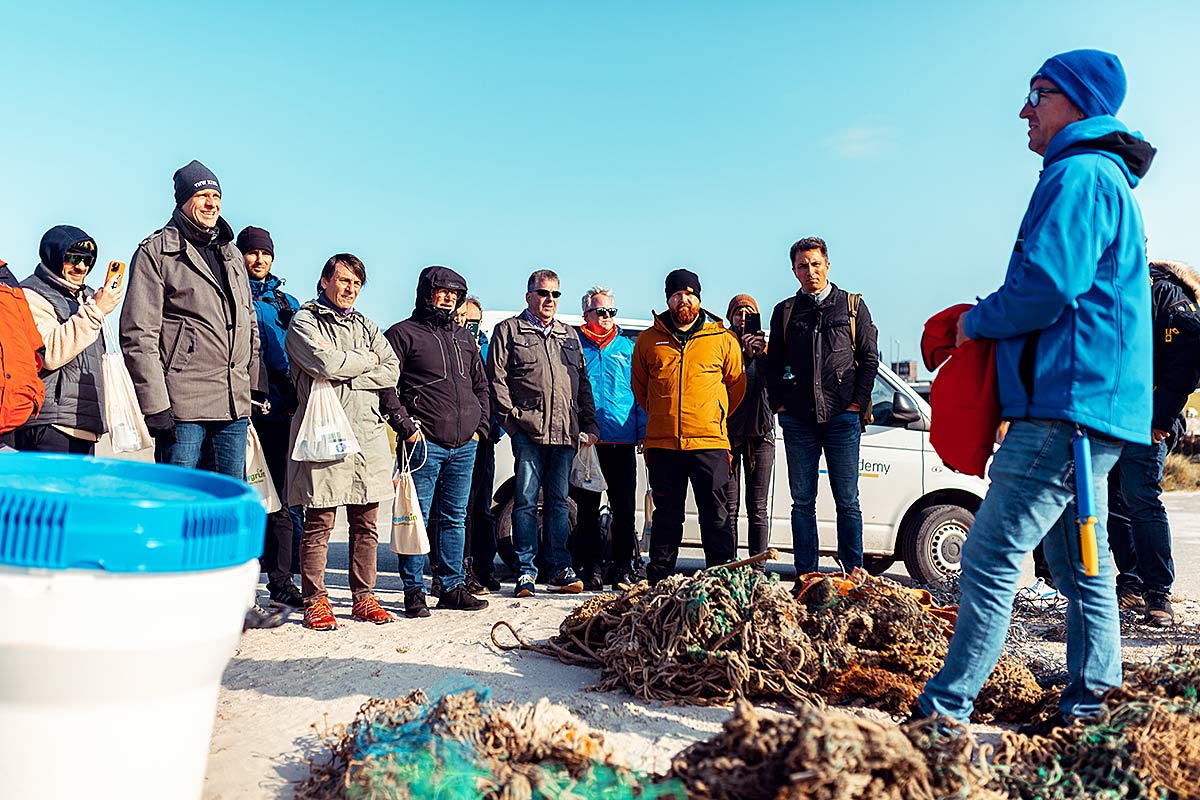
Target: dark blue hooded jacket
274	308
1072	320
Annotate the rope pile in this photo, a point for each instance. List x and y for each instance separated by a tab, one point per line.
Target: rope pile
731	632
462	746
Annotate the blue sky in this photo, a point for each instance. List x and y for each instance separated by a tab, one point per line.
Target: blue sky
611	142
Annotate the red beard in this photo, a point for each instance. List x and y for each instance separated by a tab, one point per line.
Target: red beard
685	315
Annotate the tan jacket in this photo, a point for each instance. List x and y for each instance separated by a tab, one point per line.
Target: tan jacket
688	390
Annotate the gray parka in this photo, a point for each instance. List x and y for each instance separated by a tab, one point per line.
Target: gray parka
324	343
186	348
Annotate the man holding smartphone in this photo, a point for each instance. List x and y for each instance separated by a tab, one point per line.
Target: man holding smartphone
821	369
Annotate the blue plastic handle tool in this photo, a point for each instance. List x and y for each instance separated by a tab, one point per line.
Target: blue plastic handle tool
1085	503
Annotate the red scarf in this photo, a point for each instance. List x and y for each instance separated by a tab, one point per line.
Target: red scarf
601	340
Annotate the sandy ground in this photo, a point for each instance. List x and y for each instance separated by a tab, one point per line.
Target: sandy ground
281	682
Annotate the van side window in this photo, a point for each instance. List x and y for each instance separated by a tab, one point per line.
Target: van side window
881	402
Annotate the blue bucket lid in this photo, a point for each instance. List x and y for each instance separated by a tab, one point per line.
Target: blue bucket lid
78	512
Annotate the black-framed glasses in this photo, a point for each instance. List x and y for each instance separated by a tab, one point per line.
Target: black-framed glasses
548	293
603	312
75	259
1035	95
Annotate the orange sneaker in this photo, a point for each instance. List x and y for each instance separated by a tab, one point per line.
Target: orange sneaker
319	616
368	610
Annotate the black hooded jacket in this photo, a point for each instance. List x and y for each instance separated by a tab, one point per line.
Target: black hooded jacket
442	383
1173	297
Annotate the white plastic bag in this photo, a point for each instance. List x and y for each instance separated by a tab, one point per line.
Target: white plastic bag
585	470
409	537
257	474
122	414
324	433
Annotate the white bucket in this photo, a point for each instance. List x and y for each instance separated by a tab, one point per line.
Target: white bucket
108	682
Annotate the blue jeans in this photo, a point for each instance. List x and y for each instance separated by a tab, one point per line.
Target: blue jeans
214	446
1138	531
1032	496
543	467
448	470
803	441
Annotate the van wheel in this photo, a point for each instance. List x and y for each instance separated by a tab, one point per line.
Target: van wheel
504	529
933	543
877	565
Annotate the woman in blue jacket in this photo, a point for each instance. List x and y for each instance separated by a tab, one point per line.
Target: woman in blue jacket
622	427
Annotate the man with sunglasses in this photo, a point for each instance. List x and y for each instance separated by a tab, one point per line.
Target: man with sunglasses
542	396
70	317
1072	327
622	425
190	334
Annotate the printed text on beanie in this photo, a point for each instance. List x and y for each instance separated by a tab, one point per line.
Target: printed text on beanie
192	178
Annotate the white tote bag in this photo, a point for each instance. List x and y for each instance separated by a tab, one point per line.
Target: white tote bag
122	415
257	474
409	537
325	433
585	470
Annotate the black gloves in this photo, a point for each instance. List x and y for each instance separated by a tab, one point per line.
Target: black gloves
162	426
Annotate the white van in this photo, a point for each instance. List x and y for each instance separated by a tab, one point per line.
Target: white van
914	508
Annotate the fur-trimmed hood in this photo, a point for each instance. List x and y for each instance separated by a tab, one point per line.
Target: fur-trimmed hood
1180	273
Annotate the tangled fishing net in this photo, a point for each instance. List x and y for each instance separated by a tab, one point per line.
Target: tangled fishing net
732	632
463	746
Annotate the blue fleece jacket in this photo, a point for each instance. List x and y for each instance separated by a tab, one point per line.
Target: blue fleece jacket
1072	320
620	418
274	308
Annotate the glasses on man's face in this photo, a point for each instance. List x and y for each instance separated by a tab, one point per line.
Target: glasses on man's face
1035	96
75	259
603	312
547	293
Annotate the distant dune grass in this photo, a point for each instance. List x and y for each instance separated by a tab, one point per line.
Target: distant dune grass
1180	474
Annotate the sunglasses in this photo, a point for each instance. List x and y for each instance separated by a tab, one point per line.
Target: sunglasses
547	293
1035	95
75	259
603	312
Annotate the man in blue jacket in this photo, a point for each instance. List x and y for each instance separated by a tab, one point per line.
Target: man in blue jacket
272	423
1073	352
622	423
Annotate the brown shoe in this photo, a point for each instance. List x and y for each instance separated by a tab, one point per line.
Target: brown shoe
319	616
1130	599
1158	610
368	610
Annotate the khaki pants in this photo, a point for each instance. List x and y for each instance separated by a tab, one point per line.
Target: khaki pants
314	548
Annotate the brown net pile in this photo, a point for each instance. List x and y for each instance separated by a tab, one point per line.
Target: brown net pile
831	755
464	746
730	632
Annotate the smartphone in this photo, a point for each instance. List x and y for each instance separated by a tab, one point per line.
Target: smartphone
116	274
473	327
753	323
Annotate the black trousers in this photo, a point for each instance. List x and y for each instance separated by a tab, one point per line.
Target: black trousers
754	458
618	465
671	471
276	559
481	522
48	439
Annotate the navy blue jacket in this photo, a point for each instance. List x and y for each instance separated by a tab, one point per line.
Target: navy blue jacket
275	308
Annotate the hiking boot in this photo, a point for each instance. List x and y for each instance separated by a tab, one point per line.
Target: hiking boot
474	585
566	582
435	586
1158	610
414	603
591	581
368	610
525	587
259	617
490	583
461	599
319	616
1130	599
619	577
286	595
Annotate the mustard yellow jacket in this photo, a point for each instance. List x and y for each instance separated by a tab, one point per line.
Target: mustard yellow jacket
688	390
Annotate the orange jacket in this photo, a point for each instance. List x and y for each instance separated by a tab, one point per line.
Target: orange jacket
688	391
21	390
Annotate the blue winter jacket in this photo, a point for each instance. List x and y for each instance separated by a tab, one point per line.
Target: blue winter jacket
274	308
620	418
1072	320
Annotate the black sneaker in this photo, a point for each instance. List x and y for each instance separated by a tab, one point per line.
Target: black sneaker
591	581
1130	598
460	599
259	617
490	583
286	595
525	587
1158	609
414	603
566	582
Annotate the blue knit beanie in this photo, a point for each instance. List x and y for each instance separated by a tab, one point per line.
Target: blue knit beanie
195	177
1092	79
